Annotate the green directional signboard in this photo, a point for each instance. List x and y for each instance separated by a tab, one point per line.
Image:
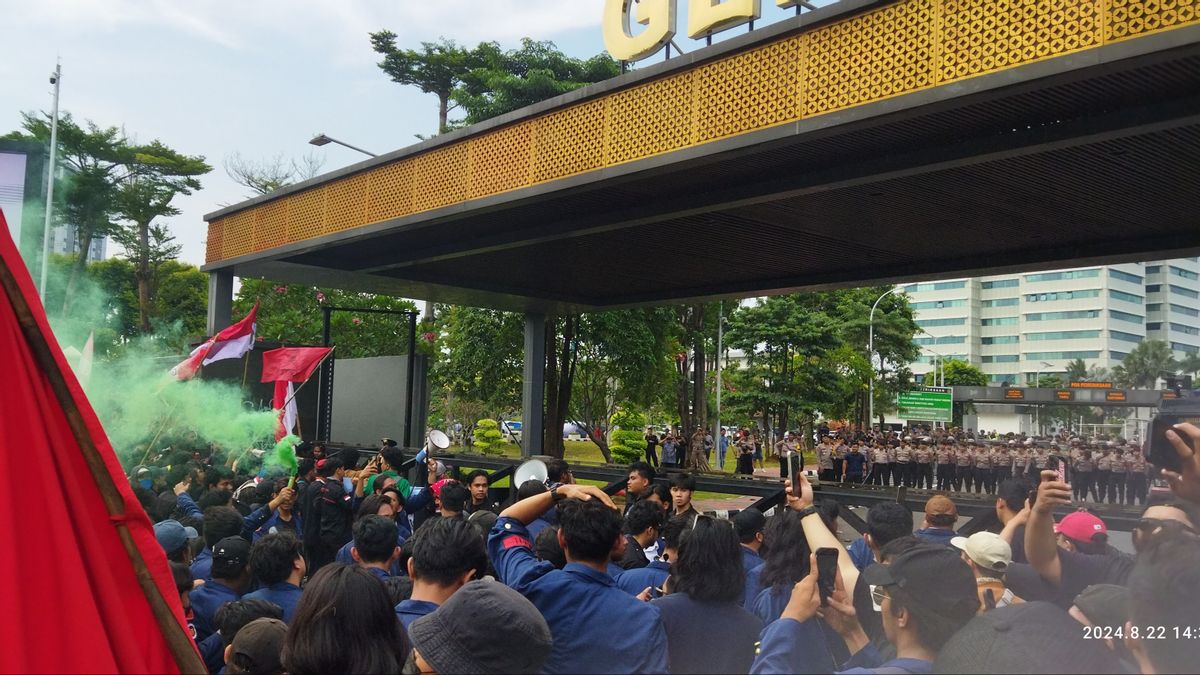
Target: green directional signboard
933	404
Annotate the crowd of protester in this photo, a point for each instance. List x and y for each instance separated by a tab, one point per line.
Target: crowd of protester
349	567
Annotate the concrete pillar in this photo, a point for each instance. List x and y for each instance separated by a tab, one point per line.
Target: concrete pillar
533	386
220	301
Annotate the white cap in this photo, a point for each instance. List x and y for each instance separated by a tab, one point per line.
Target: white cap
986	549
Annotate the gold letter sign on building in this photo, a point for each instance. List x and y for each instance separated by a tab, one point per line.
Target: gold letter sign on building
714	16
658	16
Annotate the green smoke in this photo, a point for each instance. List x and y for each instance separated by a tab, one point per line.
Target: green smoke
284	455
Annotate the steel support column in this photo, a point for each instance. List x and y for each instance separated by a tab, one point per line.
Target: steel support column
533	386
220	301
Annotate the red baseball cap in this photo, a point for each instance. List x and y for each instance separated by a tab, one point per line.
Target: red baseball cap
1081	526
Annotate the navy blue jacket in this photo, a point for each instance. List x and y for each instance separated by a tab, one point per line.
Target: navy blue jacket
597	627
829	651
935	535
283	594
652	576
753	586
205	602
690	645
787	646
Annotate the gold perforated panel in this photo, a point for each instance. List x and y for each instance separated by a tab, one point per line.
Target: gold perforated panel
306	214
1130	18
239	235
346	203
442	177
894	49
650	119
570	141
391	191
270	225
870	57
502	161
751	90
979	36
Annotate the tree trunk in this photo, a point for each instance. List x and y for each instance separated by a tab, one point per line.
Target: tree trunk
699	391
565	380
443	112
85	240
143	276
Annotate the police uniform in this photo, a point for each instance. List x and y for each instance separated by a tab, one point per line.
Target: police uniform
1021	462
1082	478
1116	482
924	466
902	465
1102	473
945	467
881	466
839	451
1136	490
825	462
963	469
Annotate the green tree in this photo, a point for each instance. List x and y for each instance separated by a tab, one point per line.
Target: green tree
962	374
157	174
481	358
1145	364
438	68
499	81
487	437
292	314
1190	365
181	299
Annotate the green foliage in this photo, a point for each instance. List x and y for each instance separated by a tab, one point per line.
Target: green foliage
1145	364
962	374
488	438
628	418
502	81
292	314
628	445
487	81
482	357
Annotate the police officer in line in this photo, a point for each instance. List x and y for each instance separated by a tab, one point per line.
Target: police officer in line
963	469
924	462
901	461
945	465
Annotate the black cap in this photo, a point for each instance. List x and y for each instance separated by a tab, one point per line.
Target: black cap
934	577
748	523
230	557
1031	637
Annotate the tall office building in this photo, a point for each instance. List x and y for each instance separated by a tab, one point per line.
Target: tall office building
1014	326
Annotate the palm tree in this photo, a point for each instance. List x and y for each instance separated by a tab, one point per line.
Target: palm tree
1077	371
1145	364
1190	365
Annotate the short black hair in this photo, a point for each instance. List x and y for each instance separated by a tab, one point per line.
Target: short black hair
899	546
328	467
399	589
375	538
530	488
454	497
370	506
748	524
887	521
216	474
663	492
557	468
470	478
1014	492
643	469
684	481
547	548
214	498
589	528
641	515
1164	590
233	616
709	568
221	522
305	465
181	574
672	531
443	549
272	557
393	457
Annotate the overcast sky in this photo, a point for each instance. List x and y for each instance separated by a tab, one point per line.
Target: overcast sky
257	77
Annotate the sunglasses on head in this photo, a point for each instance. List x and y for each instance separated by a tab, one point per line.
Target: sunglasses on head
1161	525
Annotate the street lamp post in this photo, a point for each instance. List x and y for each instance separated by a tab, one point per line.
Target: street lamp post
322	139
55	79
871	356
1038	384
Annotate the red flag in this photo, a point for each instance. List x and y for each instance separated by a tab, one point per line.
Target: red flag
89	567
292	364
231	343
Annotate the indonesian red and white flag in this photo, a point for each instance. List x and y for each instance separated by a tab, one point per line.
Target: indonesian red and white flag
287	414
292	364
231	343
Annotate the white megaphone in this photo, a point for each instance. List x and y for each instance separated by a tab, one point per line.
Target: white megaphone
435	438
534	469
